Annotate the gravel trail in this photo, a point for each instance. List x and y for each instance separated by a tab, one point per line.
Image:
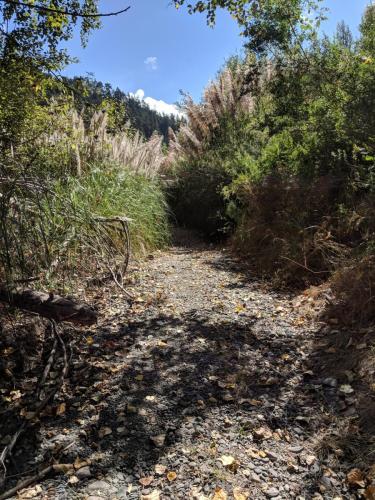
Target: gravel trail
210	387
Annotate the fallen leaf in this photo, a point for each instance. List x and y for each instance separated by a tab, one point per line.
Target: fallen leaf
89	340
262	433
355	477
78	463
227	460
171	476
219	494
30	492
160	469
346	389
73	480
240	308
60	410
240	494
370	493
104	431
146	481
139	377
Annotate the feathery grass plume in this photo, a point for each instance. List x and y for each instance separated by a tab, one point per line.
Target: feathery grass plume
92	143
224	96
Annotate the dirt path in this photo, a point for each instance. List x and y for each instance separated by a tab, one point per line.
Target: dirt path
209	386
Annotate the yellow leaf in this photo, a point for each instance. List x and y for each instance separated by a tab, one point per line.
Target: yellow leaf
240	308
139	377
89	340
220	494
227	460
171	476
240	494
60	410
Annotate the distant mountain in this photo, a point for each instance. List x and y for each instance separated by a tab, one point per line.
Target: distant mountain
125	108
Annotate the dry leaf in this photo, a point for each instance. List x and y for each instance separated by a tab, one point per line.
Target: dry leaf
89	340
139	377
73	480
60	410
104	431
370	493
355	477
160	469
30	492
346	389
171	476
262	433
146	481
227	460
240	494
220	494
78	463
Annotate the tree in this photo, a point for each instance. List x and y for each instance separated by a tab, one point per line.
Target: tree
367	29
266	24
34	30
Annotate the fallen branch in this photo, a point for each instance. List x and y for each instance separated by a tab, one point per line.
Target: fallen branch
7	451
50	306
26	482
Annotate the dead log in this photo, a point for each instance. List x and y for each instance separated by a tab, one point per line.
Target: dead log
50	306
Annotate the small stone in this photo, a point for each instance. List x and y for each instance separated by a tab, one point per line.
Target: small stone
330	382
272	492
296	449
100	485
83	472
158	440
254	477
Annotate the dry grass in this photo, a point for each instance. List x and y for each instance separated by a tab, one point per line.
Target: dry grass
224	96
354	289
93	143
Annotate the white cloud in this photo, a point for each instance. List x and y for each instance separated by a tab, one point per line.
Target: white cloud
160	106
151	62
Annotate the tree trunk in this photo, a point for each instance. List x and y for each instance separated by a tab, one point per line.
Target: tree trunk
50	306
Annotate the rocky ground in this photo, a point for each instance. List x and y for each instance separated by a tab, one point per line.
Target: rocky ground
210	386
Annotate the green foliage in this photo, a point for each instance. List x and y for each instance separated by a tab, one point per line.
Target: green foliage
266	24
294	174
34	30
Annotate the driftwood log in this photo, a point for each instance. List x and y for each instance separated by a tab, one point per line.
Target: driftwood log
50	306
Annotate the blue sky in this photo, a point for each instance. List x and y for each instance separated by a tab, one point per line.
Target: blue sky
157	50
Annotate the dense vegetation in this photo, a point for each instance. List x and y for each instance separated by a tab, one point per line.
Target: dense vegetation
280	153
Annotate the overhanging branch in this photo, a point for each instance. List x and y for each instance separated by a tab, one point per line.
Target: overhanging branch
63	11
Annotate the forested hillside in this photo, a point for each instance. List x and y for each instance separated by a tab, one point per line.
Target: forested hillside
126	110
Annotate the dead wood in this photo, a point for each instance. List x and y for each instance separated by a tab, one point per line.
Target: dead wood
51	306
